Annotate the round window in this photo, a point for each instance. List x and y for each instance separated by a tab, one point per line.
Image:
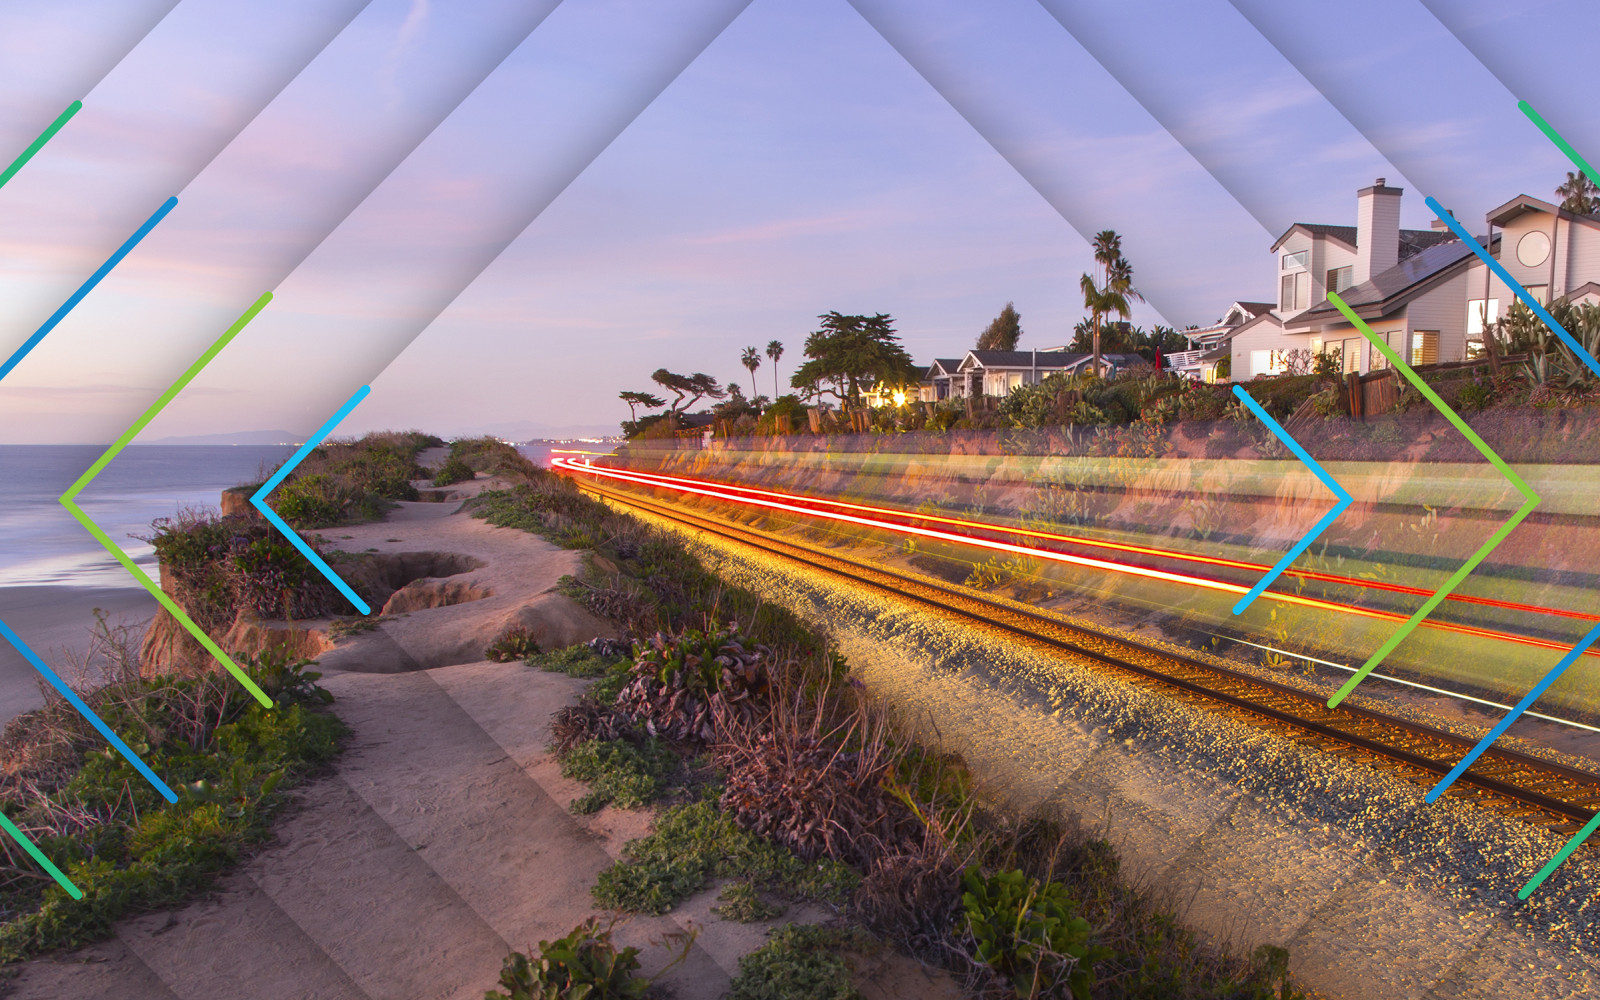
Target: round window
1533	249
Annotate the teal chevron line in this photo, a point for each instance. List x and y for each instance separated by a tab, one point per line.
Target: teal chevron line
1530	501
1305	458
260	500
68	500
38	855
38	144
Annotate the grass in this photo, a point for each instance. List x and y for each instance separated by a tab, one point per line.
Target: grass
109	831
618	773
574	661
798	962
696	842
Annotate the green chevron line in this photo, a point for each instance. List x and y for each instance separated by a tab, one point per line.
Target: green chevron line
1530	501
68	501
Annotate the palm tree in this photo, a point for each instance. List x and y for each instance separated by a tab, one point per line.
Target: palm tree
1579	194
774	351
751	359
1113	294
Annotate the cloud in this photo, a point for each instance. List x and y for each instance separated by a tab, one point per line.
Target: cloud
410	28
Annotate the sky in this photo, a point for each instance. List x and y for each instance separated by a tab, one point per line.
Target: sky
501	214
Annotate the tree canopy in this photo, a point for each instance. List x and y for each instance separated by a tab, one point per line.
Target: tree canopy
636	399
689	389
1579	194
1003	333
851	353
751	359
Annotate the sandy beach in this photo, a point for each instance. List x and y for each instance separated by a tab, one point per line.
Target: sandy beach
55	622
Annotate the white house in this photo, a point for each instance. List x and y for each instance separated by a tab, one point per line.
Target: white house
1424	291
996	373
1207	344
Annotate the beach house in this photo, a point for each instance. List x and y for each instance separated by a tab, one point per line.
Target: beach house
1425	292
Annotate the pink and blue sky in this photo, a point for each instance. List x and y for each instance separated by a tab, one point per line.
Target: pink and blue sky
502	213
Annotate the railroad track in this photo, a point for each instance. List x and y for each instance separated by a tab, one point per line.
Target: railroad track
1535	791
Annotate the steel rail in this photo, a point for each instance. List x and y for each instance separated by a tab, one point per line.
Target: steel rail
1288	706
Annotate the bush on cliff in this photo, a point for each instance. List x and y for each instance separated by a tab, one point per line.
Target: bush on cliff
121	843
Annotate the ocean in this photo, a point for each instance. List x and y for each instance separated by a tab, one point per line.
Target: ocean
43	545
53	574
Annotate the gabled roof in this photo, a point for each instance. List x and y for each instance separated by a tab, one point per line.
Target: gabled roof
1019	359
1587	288
1393	288
1412	241
1224	347
1344	234
943	366
1522	203
1251	309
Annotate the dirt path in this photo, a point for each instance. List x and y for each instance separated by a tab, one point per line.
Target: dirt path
441	841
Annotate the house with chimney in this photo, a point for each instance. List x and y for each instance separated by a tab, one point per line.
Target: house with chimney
1425	292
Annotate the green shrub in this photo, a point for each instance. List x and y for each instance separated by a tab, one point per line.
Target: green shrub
225	754
515	643
682	685
1029	934
695	842
584	965
453	471
741	902
798	962
784	406
574	661
1475	396
617	772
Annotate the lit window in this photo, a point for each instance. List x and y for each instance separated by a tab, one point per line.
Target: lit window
1476	314
1266	363
1425	347
1540	294
1352	355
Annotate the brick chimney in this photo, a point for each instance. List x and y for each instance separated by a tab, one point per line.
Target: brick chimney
1377	230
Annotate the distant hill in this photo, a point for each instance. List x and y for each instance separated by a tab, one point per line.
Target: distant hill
527	430
237	437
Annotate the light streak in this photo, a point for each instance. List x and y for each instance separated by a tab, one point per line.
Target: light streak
1205	583
1411	684
1138	549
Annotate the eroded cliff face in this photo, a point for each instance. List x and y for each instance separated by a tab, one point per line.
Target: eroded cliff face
442	586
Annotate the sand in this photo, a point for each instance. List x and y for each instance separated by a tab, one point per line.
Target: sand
55	622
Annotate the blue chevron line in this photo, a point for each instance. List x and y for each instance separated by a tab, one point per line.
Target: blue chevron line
87	287
5	630
1516	288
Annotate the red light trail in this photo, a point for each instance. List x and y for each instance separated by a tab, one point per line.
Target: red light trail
1139	549
733	494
